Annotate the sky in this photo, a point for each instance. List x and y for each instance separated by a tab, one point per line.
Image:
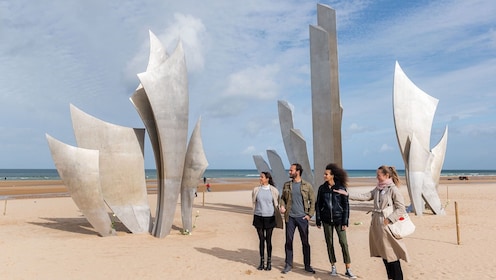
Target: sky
242	57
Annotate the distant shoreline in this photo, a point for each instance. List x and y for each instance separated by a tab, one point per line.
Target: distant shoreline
20	189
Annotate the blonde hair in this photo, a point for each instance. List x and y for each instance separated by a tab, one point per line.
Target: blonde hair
391	172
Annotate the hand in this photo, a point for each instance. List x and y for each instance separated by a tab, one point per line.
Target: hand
343	227
343	192
386	221
307	217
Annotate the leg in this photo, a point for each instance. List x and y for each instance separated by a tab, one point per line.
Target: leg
328	234
388	269
261	247
288	246
268	239
303	230
343	242
396	272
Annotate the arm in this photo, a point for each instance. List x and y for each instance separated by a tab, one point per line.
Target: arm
282	201
317	208
311	201
398	205
345	204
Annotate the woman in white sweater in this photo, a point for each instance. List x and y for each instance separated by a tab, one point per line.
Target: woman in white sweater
265	209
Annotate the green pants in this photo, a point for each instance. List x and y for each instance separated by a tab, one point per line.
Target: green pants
328	234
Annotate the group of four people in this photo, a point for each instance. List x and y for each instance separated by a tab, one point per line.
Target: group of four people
298	204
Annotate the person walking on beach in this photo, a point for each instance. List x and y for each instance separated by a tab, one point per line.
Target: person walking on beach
387	198
332	210
298	206
266	216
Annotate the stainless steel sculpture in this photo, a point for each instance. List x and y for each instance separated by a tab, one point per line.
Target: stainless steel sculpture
286	124
275	167
294	142
413	115
194	166
111	170
279	174
327	111
300	151
162	103
122	168
79	169
261	164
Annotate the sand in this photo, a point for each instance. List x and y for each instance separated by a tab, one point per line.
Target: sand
44	236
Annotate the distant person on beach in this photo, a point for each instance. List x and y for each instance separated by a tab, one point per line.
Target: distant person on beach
332	211
298	207
208	187
266	216
204	180
381	242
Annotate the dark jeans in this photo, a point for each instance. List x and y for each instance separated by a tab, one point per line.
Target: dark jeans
302	225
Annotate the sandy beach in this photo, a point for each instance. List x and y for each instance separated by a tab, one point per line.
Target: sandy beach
44	236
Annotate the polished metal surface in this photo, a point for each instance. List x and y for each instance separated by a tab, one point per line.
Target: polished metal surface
79	170
122	169
327	111
194	166
414	111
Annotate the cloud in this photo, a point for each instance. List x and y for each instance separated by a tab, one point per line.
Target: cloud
240	63
385	148
250	150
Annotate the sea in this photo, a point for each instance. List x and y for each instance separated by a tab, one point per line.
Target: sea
52	174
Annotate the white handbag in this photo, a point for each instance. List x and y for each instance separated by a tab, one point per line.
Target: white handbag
403	227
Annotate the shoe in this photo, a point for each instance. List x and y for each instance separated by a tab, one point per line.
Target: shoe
269	264
261	266
334	271
287	268
309	269
350	274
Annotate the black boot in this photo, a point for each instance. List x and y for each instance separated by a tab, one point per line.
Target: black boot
261	266
269	264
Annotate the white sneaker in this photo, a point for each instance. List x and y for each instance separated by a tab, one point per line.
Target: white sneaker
333	271
350	274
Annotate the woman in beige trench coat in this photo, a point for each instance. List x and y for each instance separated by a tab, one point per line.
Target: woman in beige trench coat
381	242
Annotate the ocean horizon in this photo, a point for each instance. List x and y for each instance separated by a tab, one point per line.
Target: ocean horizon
52	174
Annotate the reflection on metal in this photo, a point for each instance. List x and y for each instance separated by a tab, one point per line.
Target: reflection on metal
79	170
327	111
122	169
194	166
413	115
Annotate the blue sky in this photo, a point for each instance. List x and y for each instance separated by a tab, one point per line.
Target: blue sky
242	57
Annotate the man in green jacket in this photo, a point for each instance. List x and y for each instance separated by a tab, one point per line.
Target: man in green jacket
298	207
